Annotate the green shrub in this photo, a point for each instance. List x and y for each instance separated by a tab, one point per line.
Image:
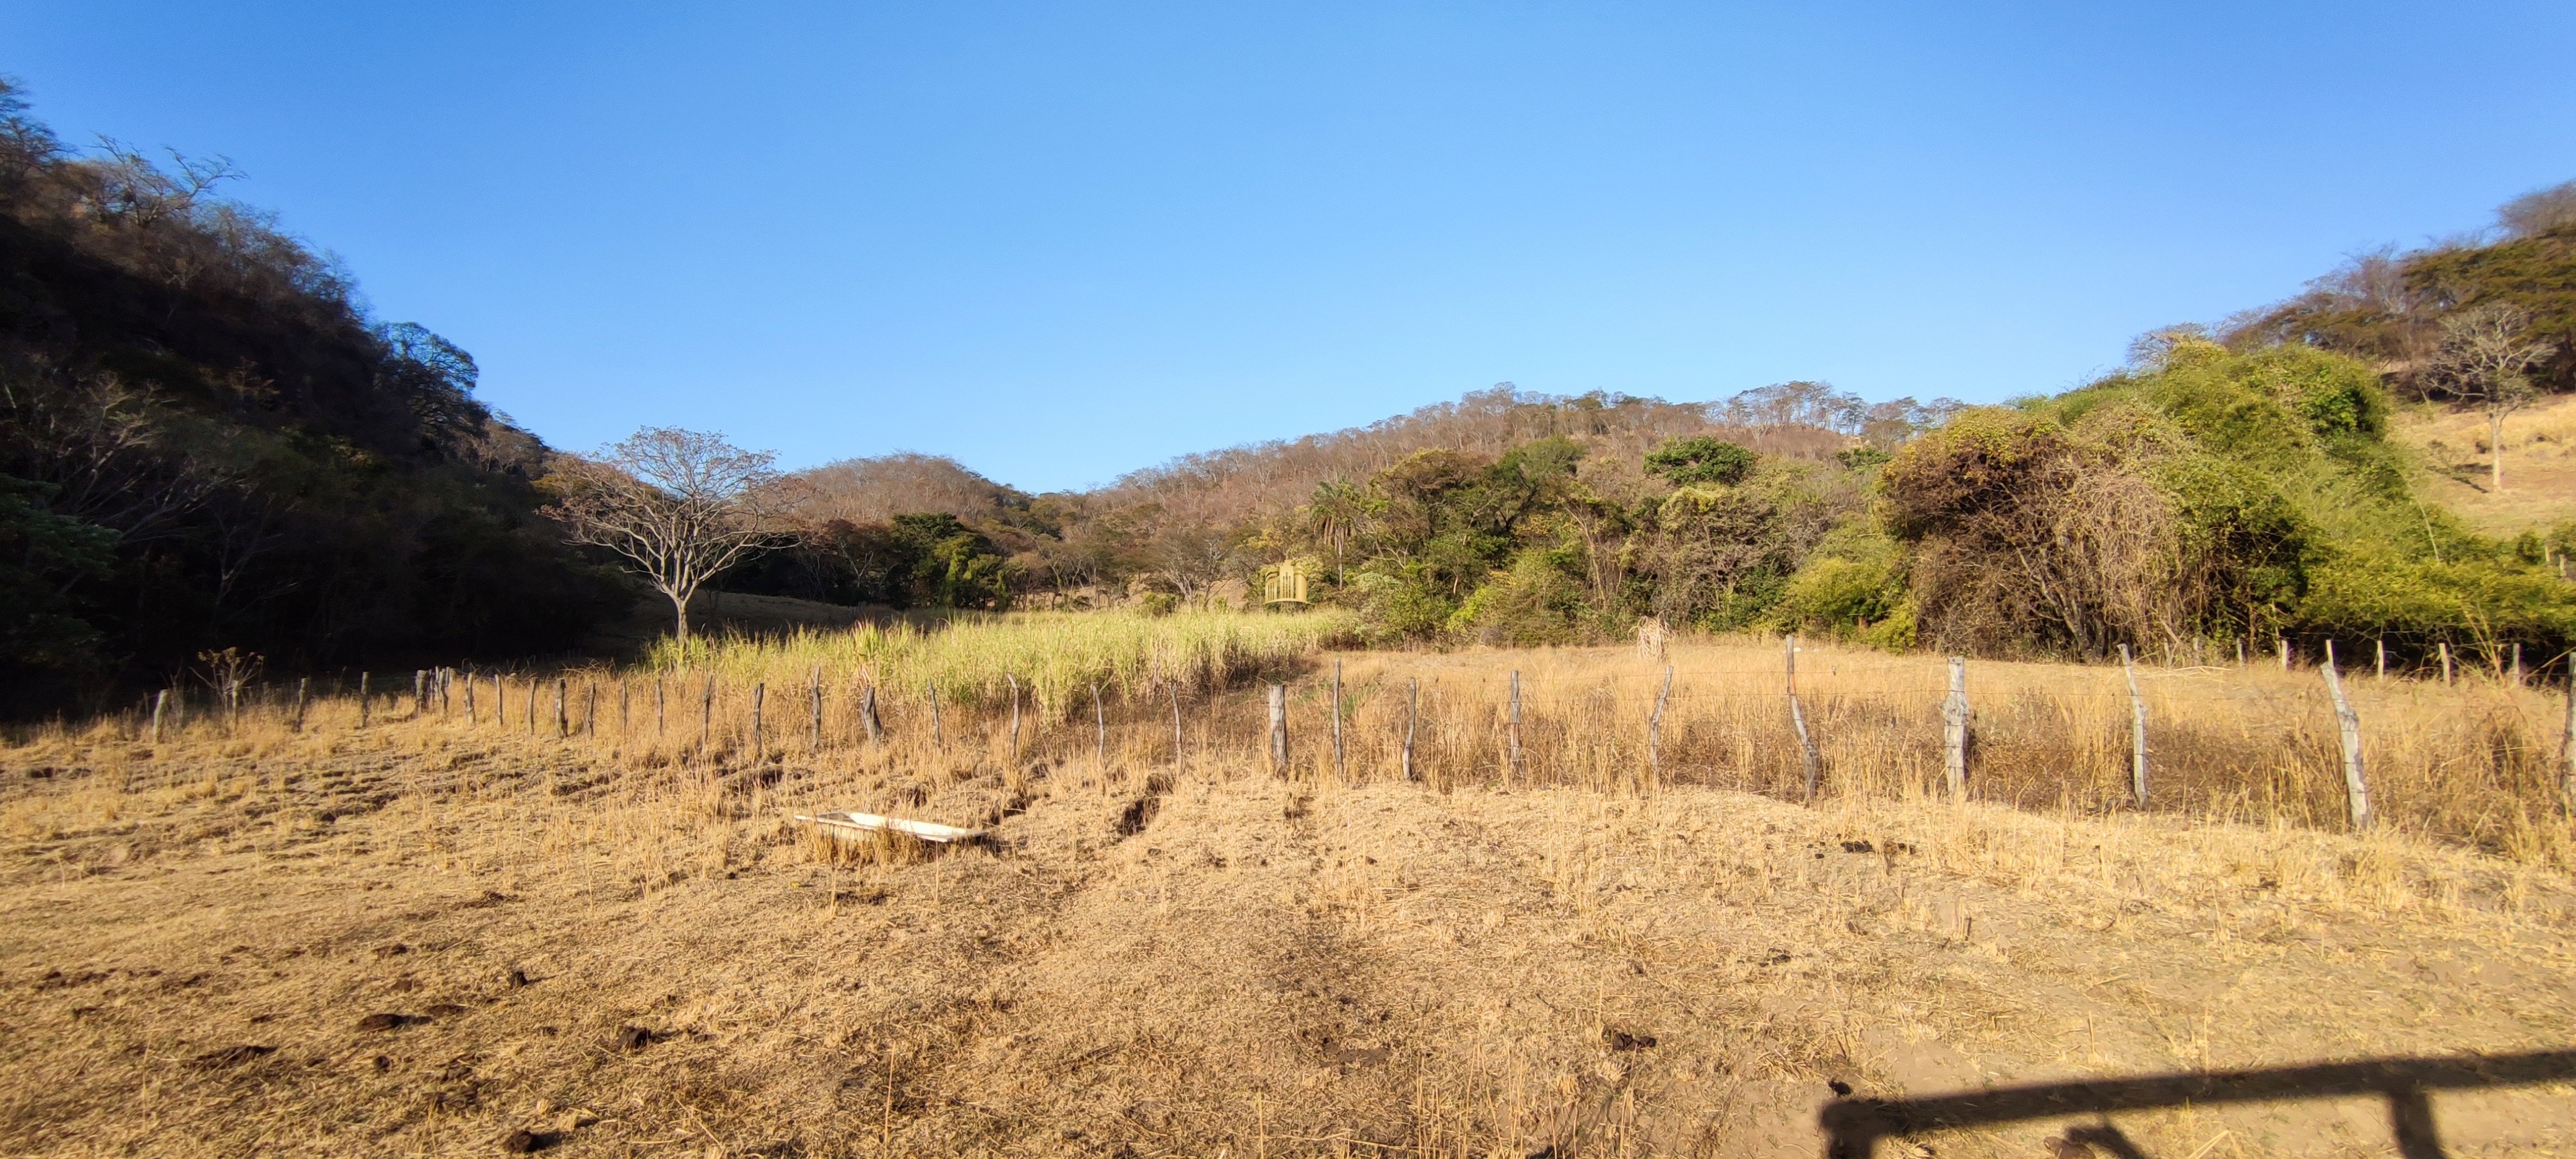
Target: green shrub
1701	460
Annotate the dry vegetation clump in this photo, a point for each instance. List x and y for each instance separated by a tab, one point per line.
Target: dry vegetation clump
427	935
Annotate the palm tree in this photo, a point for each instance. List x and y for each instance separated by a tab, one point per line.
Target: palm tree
1335	515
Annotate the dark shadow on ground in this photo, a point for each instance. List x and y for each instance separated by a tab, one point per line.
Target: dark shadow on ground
1853	1127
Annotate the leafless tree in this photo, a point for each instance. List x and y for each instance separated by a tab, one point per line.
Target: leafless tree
681	506
2152	350
2485	359
107	450
1193	558
2539	211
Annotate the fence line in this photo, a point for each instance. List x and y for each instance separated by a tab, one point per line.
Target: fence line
2228	749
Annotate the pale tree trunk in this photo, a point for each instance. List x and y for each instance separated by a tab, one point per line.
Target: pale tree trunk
680	611
2495	449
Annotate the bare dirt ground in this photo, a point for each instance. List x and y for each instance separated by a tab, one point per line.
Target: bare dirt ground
414	942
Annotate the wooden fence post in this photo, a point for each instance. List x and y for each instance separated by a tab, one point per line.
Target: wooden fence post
817	745
419	691
473	715
1100	721
759	699
2137	733
2567	743
1176	726
362	700
938	735
1515	770
500	703
2517	665
1954	731
1412	710
160	703
2445	646
2379	653
658	700
1014	682
2356	787
1655	728
1278	729
1338	770
2284	641
868	715
590	708
1798	718
532	706
303	685
563	718
625	697
706	714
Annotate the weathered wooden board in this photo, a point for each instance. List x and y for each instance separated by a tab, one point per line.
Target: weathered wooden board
873	823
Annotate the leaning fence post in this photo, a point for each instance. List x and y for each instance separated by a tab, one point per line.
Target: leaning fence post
1014	682
1412	710
362	700
1954	731
1338	770
1655	727
473	715
759	694
2356	788
2137	733
160	703
1100	720
1279	729
2379	653
1516	725
590	708
303	684
1798	717
658	700
1176	727
868	715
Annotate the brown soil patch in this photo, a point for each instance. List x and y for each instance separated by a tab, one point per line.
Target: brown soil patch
194	954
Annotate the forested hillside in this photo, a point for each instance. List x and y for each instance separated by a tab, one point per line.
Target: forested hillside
205	443
2232	484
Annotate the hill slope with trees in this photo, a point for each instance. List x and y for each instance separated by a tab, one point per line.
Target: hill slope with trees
205	443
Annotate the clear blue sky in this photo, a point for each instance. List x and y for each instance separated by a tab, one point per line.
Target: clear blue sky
1065	241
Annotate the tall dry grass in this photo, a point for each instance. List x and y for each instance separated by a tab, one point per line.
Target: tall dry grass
1056	657
2476	763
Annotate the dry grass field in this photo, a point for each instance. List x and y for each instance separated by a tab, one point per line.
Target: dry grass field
2539	464
435	936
